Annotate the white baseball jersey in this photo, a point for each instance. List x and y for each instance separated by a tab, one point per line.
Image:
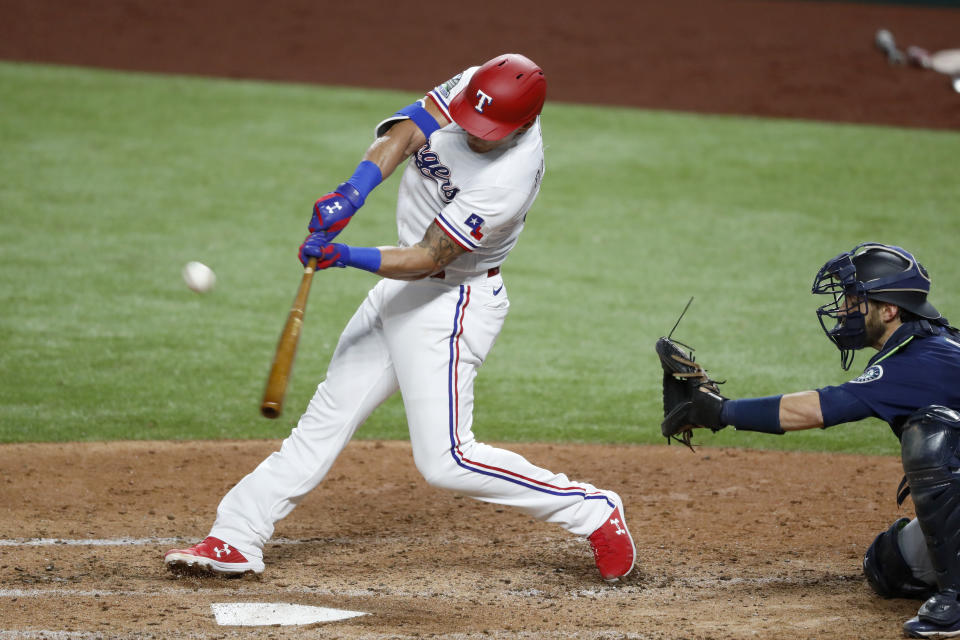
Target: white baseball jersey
426	338
479	199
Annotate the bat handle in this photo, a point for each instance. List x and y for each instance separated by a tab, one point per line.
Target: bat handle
270	409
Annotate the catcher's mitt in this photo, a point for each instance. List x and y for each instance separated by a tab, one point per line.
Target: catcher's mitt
691	398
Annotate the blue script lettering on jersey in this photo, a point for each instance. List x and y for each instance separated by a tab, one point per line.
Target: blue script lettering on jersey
429	164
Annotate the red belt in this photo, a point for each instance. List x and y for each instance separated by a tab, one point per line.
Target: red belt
490	273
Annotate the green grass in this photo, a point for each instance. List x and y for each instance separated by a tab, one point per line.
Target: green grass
112	181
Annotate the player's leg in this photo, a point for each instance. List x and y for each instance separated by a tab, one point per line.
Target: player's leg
931	460
897	563
360	377
437	350
913	547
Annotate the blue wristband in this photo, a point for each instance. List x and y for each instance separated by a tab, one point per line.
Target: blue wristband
366	258
364	180
753	414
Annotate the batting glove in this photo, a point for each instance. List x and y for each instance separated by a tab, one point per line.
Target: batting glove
332	212
327	254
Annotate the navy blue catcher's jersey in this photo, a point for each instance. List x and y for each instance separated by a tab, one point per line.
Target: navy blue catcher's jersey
917	367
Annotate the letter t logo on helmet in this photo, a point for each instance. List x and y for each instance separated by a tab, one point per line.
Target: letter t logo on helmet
504	94
484	99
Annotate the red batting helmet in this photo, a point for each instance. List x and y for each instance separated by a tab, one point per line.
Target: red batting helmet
503	95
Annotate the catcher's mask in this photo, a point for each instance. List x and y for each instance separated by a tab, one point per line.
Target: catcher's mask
504	94
870	271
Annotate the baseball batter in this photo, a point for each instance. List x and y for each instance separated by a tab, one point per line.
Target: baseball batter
474	155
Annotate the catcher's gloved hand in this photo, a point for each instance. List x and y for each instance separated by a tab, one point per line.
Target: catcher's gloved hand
691	398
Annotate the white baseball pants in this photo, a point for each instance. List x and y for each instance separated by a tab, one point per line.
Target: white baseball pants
426	338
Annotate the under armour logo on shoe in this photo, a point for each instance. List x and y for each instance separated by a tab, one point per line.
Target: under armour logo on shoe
616	522
224	551
330	209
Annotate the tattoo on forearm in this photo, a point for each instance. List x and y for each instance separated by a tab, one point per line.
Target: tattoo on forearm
442	249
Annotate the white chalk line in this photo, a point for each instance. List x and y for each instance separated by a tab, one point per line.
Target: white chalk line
207	591
51	635
139	542
490	634
108	542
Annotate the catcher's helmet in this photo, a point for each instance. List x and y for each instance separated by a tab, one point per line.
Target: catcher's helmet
504	94
870	271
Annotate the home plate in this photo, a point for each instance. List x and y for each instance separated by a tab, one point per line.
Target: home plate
258	614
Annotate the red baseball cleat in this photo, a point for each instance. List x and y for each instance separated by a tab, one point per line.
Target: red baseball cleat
211	556
613	547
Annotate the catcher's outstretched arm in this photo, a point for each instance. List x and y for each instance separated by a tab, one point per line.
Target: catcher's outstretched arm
774	414
800	410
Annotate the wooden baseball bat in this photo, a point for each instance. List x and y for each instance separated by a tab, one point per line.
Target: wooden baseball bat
272	404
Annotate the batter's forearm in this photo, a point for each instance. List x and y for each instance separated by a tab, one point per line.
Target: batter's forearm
390	150
432	254
407	263
382	157
401	140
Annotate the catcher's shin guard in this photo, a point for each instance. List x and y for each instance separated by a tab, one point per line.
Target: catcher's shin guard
887	571
931	462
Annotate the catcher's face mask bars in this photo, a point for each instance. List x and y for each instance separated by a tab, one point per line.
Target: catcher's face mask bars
847	309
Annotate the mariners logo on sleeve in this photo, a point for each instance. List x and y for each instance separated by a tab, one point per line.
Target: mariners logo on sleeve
475	222
872	373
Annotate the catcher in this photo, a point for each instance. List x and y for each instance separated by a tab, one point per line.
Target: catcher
878	298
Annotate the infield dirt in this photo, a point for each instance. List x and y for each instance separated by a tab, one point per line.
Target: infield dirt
732	543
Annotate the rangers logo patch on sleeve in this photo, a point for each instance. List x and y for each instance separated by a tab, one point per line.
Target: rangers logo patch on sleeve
872	373
475	222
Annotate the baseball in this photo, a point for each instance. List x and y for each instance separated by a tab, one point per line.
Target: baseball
199	277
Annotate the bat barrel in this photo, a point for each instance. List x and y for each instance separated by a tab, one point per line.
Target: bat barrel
272	404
